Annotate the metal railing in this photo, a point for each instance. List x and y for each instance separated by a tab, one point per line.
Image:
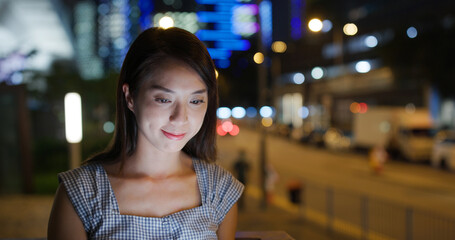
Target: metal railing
367	218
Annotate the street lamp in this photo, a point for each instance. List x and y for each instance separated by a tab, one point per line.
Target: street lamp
73	127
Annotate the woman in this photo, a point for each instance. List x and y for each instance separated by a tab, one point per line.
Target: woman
158	179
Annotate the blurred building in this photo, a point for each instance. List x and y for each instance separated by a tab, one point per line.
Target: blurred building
391	54
33	34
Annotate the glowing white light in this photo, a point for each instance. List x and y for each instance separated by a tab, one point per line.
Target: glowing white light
350	29
108	127
362	67
238	112
326	25
298	78
223	113
73	117
166	22
315	25
304	112
266	112
317	73
371	41
411	32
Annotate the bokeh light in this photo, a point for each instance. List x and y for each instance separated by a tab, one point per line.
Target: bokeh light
235	130
354	107
326	25
108	127
371	41
166	22
258	58
238	112
279	46
317	73
266	112
411	32
223	113
227	126
251	112
267	122
220	131
350	29
363	107
315	25
363	66
298	78
304	112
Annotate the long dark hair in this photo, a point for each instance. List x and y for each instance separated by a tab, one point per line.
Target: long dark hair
146	54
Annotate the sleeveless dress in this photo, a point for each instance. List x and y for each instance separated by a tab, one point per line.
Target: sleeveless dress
92	197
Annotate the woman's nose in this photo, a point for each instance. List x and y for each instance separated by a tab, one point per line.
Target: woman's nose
179	114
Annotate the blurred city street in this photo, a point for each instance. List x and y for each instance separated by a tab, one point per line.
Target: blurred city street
343	110
417	185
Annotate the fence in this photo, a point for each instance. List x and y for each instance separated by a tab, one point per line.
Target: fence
366	218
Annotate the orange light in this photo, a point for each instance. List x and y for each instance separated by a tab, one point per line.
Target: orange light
355	107
267	122
235	130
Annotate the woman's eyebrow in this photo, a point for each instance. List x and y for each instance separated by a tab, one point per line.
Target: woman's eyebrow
200	91
171	91
162	88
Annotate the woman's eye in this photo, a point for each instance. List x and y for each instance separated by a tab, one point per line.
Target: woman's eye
197	102
162	100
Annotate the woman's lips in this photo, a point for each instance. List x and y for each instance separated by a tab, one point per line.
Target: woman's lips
173	136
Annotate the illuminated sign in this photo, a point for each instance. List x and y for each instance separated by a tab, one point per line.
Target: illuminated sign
232	21
265	9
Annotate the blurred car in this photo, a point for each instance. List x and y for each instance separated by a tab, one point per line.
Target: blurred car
314	137
443	155
415	143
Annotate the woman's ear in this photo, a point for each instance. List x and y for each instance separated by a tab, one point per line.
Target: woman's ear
128	97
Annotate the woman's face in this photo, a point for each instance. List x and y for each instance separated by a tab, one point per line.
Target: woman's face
170	106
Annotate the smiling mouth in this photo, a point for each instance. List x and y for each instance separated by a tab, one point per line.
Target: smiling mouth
173	136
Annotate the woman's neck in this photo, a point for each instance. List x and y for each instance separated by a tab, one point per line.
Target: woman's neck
148	161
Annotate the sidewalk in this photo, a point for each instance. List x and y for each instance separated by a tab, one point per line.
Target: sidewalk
253	218
26	216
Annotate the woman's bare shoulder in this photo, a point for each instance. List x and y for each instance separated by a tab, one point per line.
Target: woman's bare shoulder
64	223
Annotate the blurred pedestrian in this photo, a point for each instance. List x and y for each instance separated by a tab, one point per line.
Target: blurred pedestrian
158	179
377	157
271	178
241	168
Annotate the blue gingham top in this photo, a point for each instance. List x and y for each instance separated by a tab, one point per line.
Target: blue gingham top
91	194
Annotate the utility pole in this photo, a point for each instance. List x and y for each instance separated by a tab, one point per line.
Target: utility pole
263	92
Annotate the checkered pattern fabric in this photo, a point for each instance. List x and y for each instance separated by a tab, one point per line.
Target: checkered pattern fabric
91	194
